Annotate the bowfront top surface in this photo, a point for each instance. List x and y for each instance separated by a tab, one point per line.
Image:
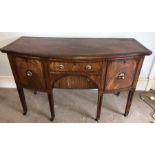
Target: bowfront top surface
76	47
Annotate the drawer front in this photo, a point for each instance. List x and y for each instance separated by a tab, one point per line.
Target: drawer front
75	67
30	72
120	74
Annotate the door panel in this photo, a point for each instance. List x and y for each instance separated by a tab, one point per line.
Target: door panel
30	72
120	74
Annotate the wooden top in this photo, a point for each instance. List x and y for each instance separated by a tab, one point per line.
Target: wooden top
76	47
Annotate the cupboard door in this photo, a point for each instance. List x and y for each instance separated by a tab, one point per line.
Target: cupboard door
120	74
30	73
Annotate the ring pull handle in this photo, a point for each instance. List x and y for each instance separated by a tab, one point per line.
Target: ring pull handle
121	76
88	67
61	67
29	73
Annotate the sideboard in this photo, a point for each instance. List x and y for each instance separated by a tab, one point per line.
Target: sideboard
107	64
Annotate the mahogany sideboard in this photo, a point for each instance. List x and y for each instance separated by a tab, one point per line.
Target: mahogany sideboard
107	64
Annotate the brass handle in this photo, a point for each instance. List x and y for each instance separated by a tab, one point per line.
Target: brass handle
121	76
61	66
88	67
29	73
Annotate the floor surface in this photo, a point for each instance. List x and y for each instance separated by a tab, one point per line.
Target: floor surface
71	106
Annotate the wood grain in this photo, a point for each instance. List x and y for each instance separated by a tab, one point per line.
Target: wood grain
37	81
128	67
76	47
75	81
75	67
109	65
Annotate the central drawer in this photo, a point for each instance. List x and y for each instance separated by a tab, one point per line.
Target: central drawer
75	66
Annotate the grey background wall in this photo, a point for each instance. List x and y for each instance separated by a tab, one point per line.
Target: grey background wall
146	38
